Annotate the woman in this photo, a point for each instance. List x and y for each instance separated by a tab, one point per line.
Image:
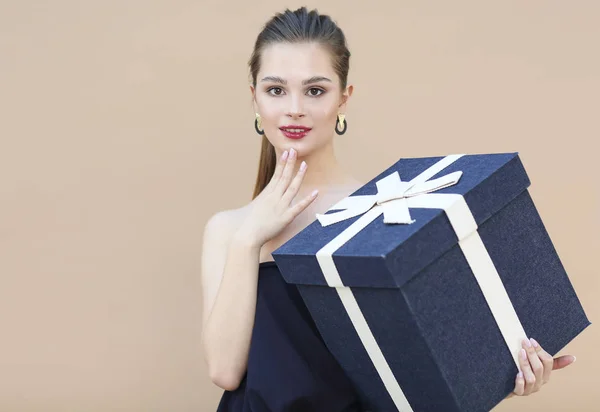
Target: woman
259	340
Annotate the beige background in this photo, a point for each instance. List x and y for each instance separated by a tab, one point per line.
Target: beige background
125	124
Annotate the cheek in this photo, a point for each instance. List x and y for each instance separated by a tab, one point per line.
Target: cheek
324	110
326	115
269	109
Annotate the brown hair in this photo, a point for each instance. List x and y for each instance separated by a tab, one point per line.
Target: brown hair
297	26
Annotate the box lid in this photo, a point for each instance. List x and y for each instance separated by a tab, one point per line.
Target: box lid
388	255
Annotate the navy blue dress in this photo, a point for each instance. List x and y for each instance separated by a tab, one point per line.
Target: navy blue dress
289	367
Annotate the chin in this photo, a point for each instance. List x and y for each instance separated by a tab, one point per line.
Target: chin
303	146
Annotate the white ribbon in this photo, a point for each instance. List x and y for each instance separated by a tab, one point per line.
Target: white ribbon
394	198
393	194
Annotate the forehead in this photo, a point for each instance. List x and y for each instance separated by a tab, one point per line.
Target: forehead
296	61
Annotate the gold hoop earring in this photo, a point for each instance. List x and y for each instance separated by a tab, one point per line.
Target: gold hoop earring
258	125
341	120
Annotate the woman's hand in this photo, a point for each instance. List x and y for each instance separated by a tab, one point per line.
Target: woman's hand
536	366
271	210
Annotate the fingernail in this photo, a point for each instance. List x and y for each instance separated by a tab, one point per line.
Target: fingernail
535	344
523	354
292	152
520	375
527	343
314	193
302	166
284	155
574	358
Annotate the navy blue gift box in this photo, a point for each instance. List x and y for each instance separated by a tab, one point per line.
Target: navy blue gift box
424	286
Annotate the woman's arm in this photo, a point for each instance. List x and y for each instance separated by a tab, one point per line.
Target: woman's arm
229	281
230	262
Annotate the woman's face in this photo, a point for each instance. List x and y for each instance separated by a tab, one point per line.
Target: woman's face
298	96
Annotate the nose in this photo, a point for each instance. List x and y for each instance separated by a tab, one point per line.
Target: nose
296	109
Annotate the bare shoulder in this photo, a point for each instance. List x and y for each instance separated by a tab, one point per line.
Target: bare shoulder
219	230
223	223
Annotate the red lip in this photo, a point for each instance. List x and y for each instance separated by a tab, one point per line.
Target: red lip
292	126
286	130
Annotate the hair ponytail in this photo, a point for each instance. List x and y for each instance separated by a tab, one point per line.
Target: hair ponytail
266	166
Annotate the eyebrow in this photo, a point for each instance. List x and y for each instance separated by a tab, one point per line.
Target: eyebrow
314	79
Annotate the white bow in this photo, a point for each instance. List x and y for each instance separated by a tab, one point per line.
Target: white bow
392	194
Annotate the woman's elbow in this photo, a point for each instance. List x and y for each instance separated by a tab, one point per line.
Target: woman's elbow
226	380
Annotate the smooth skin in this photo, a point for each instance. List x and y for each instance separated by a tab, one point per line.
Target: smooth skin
232	245
536	367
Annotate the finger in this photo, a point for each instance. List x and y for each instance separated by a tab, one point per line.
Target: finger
279	167
563	361
301	205
536	364
546	359
528	374
288	169
519	384
293	188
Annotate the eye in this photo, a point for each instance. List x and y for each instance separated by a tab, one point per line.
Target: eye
275	91
314	91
